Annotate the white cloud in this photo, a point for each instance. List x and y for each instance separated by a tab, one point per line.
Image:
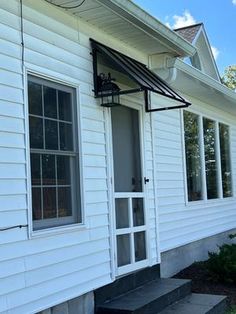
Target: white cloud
234	2
215	52
168	24
185	20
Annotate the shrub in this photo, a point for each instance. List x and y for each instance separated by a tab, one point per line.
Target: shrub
222	265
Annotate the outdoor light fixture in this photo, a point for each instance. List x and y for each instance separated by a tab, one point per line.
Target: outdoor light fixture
145	80
108	91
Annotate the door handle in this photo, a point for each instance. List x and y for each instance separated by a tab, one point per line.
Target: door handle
146	180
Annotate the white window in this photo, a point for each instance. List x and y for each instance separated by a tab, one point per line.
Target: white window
207	154
53	154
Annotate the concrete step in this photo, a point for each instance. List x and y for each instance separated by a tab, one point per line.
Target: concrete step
150	298
127	283
198	304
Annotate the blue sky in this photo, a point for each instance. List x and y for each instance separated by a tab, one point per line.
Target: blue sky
218	16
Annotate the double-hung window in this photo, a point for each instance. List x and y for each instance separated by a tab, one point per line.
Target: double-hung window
207	155
53	154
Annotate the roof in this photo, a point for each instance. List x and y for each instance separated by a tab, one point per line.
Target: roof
125	21
189	32
197	36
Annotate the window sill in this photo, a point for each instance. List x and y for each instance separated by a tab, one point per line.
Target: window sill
211	203
58	230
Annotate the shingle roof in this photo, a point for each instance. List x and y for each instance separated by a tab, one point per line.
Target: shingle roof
189	32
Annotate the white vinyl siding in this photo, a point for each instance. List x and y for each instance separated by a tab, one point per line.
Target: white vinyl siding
181	222
50	266
46	270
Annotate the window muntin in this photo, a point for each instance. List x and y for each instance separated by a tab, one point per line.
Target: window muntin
53	154
225	160
209	131
207	147
193	156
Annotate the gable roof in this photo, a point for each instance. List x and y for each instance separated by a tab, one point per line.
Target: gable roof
189	32
203	58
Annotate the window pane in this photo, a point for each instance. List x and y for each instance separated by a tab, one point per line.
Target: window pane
140	246
123	249
66	140
36	203
48	170
122	213
193	156
50	102
63	170
126	149
49	203
36	132
210	158
35	98
138	213
64	202
51	130
51	134
64	102
225	160
35	169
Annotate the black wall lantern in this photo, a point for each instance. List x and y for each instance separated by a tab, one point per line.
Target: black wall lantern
108	91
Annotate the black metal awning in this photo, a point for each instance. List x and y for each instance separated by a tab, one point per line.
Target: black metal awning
146	80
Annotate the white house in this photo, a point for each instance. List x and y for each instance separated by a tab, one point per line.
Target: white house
90	194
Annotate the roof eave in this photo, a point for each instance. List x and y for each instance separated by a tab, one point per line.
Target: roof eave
147	23
207	81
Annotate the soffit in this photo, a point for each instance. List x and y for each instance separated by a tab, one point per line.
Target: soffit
128	23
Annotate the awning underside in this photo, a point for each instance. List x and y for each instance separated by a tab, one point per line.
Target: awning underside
147	80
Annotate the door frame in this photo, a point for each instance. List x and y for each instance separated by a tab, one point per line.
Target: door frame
112	221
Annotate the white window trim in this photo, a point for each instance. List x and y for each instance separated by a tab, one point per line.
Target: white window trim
207	202
55	78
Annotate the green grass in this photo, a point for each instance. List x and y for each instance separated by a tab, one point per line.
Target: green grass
232	310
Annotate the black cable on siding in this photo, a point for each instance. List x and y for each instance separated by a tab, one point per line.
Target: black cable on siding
22	37
13	227
65	7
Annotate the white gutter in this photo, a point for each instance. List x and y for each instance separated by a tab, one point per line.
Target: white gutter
202	77
150	25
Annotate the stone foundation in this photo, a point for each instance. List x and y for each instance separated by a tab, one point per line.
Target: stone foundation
81	305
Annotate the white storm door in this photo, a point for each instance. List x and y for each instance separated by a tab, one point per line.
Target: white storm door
129	196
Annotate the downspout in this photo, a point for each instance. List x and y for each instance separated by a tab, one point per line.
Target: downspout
168	74
164	66
172	75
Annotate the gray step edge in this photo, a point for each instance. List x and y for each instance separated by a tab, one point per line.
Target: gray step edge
198	304
157	294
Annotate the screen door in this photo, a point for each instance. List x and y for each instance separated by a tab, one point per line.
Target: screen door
130	224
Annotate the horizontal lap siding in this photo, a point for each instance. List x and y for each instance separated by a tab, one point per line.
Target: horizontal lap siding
43	271
13	203
179	223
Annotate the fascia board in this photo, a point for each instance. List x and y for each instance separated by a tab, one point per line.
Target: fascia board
151	26
203	78
211	53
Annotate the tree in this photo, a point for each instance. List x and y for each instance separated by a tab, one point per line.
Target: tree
229	77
